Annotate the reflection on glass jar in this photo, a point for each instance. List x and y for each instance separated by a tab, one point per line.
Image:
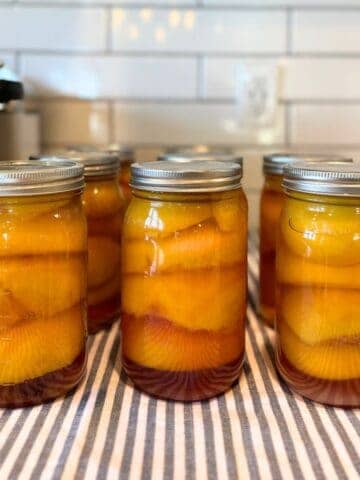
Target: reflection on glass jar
318	272
104	208
184	279
271	203
42	281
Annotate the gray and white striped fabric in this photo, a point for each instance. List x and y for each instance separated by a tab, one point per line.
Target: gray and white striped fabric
108	430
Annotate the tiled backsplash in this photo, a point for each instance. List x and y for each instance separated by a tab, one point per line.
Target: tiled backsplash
256	74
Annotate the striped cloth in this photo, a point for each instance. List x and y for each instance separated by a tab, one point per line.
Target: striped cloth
108	430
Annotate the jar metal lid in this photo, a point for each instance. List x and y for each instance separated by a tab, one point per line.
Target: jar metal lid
45	176
95	163
167	176
275	163
123	152
323	178
215	155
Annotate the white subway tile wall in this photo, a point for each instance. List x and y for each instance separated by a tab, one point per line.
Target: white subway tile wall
259	75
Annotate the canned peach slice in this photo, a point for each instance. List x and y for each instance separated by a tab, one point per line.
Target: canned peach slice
333	360
160	219
101	199
56	284
217	297
201	247
318	315
164	346
229	215
29	210
37	346
296	270
103	260
11	311
322	235
57	235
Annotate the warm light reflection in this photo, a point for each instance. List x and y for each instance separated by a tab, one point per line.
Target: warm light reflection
133	32
174	18
189	19
146	14
160	35
119	16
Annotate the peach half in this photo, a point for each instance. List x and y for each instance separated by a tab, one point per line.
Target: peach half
155	342
209	299
37	346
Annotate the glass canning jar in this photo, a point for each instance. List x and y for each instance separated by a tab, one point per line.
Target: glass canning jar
42	281
318	281
184	278
104	208
271	203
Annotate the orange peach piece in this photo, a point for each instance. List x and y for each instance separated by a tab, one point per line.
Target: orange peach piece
231	214
199	247
211	299
31	208
11	311
156	343
104	292
59	231
103	260
317	315
329	235
44	285
296	270
38	346
327	360
102	198
160	219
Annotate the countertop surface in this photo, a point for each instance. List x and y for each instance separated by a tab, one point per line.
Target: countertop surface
107	429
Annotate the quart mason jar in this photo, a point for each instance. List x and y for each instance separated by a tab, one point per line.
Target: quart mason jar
104	208
42	281
184	278
271	203
318	281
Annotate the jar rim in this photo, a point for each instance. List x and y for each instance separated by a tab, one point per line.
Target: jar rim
95	163
275	163
323	178
212	156
193	176
45	176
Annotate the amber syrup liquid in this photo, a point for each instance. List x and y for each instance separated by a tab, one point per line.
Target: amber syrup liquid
338	393
184	385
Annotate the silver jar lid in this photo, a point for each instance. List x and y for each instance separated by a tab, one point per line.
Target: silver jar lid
95	163
215	155
167	176
323	178
123	152
45	176
275	163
